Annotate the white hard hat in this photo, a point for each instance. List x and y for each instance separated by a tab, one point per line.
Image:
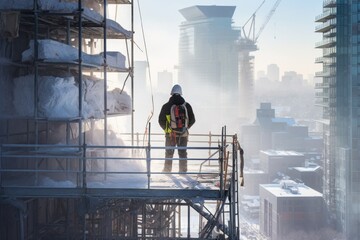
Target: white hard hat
176	90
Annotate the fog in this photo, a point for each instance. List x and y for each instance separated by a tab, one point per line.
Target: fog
275	150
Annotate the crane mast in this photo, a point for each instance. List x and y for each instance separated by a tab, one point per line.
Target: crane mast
246	45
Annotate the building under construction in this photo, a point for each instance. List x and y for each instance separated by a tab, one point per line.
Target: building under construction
63	173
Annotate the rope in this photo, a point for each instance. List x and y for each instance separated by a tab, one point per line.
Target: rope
149	73
242	161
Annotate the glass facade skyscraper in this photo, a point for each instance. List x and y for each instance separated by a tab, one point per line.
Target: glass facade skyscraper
339	96
208	56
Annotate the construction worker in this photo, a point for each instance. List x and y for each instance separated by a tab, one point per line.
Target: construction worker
176	117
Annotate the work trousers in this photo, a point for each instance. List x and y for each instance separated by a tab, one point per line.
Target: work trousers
172	140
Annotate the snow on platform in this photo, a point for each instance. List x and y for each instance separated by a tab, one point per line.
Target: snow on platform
58	98
91	13
53	51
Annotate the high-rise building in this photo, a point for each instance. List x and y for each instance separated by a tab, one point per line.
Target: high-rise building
165	81
339	97
208	59
292	79
287	207
273	72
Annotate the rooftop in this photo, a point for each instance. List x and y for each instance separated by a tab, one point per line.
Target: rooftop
307	169
283	190
272	152
288	121
203	12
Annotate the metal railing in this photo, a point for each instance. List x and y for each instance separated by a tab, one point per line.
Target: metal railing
90	166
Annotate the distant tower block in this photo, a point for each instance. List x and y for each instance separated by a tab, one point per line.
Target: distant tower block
165	81
246	86
273	72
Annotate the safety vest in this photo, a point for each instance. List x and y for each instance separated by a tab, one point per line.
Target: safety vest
167	127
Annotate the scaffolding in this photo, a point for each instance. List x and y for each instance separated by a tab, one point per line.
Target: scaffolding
55	184
148	204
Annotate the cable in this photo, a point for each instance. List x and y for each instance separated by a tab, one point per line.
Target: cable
149	73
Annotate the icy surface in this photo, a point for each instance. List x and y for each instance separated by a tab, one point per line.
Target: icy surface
111	24
58	97
50	5
56	52
98	168
63	7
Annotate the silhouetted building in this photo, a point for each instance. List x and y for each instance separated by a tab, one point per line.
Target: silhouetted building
208	62
339	98
273	72
292	79
165	81
253	180
288	207
272	162
270	132
311	175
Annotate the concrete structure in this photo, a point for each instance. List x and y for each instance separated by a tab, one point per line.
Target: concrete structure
270	132
339	98
288	207
273	72
272	162
208	57
292	79
310	175
253	180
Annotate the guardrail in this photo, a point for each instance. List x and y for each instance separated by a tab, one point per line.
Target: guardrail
90	166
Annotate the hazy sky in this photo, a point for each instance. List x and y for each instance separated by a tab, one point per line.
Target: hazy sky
287	40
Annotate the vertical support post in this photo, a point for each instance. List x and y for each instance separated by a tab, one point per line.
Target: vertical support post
68	32
35	219
223	156
36	78
137	139
143	222
179	221
105	73
188	222
221	153
67	132
67	219
148	157
1	160
36	70
22	223
27	131
132	73
80	71
84	183
84	227
105	85
210	144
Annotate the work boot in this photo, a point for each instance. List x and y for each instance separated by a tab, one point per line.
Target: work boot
166	169
183	166
167	166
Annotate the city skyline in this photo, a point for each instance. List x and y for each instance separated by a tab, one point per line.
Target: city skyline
289	44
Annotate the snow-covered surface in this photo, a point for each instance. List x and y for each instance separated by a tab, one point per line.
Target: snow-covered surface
49	5
58	97
302	191
61	6
115	26
50	50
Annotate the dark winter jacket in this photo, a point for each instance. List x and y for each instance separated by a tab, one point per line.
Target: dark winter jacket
165	111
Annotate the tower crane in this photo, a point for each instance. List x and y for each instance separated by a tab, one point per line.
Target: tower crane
247	35
246	45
